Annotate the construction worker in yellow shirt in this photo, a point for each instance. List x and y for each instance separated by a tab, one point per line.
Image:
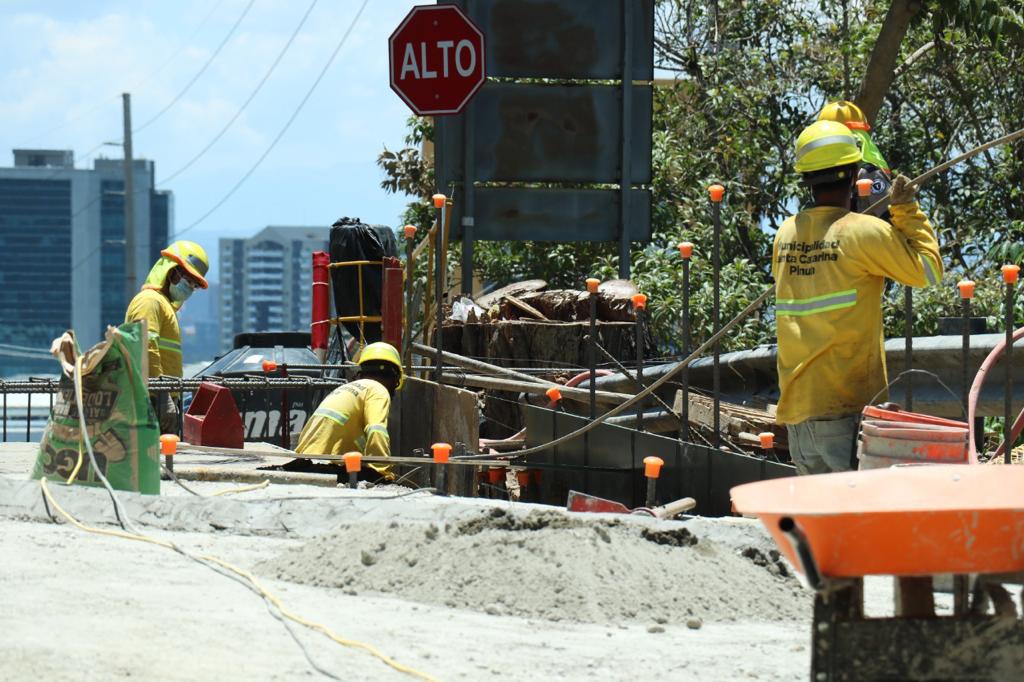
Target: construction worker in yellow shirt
830	266
873	166
354	417
180	270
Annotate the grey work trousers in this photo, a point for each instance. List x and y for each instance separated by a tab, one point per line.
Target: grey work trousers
822	446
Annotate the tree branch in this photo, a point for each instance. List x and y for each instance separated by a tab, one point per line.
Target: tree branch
909	61
882	65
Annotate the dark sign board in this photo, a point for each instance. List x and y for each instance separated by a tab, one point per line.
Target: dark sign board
558	215
563	38
552	133
549	115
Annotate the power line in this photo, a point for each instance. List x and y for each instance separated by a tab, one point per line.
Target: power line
266	152
85	156
108	100
291	119
200	72
181	48
245	104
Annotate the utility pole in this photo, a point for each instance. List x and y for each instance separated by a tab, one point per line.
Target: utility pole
129	203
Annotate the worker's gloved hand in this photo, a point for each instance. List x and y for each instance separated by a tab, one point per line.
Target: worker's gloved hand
903	191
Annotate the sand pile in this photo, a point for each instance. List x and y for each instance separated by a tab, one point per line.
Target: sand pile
552	566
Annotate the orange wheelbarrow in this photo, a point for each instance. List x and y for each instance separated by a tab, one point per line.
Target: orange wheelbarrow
912	522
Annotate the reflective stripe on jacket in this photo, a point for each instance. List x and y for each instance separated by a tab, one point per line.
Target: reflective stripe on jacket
164	333
830	267
353	417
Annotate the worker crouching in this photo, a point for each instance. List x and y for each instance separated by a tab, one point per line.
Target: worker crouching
830	266
354	417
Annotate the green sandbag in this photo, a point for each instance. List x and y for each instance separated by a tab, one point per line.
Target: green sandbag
120	422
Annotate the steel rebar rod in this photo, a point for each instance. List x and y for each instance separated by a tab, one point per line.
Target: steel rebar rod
514	386
470	363
908	352
716	311
1008	378
927	175
665	378
639	385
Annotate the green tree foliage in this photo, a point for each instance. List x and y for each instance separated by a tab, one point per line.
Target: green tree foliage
747	77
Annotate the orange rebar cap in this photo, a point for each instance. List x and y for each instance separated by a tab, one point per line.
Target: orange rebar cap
966	288
269	366
439	200
864	187
716	192
592	284
409	231
767	439
441	452
652	466
168	444
639	301
685	249
554	394
353	462
1011	273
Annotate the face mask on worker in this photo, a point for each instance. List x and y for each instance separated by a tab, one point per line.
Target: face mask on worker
181	290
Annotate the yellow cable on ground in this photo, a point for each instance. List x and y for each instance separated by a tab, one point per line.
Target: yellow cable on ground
243	489
263	592
78	465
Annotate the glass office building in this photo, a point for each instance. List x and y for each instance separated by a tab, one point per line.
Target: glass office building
266	280
62	256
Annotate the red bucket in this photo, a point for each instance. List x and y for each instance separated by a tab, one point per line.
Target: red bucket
890	437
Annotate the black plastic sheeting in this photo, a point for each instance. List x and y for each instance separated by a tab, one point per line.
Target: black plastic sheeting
614	468
352	240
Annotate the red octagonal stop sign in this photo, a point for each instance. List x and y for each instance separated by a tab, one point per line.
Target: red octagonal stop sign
437	59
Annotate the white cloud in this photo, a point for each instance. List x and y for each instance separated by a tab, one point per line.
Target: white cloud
65	64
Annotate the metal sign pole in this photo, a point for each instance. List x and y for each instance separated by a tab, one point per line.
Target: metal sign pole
627	135
469	173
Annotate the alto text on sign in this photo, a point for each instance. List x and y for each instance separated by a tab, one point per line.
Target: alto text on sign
437	59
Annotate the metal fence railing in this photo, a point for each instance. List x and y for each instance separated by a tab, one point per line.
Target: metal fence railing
26	405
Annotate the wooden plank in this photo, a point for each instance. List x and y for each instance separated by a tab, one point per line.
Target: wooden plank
515	289
740	422
526	307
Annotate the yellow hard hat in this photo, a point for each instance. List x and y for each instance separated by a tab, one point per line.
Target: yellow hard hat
845	112
826	144
383	352
190	256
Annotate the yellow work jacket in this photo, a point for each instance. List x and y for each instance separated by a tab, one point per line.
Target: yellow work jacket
830	267
151	305
354	417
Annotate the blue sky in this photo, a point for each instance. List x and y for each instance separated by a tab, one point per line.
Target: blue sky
63	65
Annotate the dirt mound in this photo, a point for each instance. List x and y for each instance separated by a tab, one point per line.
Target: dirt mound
549	565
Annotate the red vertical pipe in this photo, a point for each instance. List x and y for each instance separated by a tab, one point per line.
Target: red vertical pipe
392	302
320	329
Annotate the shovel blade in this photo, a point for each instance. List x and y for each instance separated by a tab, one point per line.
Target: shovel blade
582	502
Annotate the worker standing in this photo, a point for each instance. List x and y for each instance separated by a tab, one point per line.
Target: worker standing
354	417
830	266
180	270
873	165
